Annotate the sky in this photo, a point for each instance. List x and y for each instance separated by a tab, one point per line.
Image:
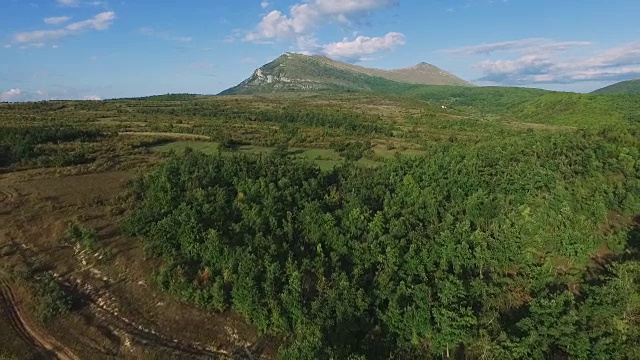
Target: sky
100	49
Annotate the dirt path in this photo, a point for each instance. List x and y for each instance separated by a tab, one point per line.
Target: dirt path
103	308
5	195
7	198
34	337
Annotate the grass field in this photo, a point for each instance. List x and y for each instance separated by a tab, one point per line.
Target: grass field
325	158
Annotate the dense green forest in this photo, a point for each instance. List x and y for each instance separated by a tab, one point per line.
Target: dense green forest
511	248
623	87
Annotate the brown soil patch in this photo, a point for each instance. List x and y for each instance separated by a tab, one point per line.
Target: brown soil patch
119	311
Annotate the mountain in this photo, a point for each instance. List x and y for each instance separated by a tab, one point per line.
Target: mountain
296	72
624	87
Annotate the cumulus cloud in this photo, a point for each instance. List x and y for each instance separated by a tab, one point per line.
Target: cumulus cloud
101	21
264	4
56	20
163	35
11	95
363	45
615	64
303	19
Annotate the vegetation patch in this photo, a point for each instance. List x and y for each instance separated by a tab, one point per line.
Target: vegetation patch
22	144
481	250
82	234
50	297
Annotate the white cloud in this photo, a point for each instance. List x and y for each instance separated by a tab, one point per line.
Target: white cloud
7	46
11	95
39	45
304	18
620	63
68	2
528	46
76	3
264	4
302	21
101	21
163	35
56	93
363	45
56	20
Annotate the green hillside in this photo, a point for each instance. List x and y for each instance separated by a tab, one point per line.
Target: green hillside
582	109
295	73
492	99
624	87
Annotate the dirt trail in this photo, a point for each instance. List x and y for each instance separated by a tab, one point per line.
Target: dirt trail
103	307
37	339
7	198
5	195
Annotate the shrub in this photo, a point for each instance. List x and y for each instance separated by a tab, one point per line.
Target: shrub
51	299
82	234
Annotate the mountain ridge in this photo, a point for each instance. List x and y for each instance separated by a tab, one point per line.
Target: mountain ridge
623	87
297	72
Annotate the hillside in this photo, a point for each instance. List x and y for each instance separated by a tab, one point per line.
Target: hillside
624	87
295	72
422	74
582	109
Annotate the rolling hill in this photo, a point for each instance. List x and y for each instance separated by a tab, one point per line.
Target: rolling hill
296	72
624	87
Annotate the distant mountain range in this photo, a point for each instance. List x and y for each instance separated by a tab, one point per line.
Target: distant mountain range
295	72
624	87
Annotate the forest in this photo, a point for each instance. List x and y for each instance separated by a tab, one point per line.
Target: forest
500	249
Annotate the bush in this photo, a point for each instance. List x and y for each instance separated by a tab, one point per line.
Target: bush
51	299
352	151
82	234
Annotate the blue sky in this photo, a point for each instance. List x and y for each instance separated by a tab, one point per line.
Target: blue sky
86	49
